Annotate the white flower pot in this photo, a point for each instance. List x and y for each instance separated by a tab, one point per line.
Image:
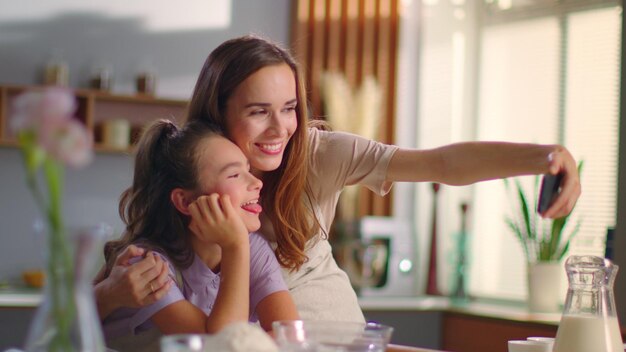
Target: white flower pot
544	286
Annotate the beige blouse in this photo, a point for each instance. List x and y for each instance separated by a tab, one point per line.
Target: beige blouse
320	289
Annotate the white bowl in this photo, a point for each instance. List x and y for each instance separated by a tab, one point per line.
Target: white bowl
529	346
310	335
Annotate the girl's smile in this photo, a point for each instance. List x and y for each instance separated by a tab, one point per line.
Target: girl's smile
223	169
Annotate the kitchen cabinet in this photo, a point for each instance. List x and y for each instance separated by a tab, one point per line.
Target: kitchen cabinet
463	332
479	325
14	323
437	322
95	108
411	328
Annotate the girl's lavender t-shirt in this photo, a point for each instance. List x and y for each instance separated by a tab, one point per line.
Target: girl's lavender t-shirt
200	286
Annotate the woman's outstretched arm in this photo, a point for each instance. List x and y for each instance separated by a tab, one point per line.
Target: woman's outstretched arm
469	162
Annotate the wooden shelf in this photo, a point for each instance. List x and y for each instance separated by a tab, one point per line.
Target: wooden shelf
95	108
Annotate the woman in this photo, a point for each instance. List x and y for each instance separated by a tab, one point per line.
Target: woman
253	89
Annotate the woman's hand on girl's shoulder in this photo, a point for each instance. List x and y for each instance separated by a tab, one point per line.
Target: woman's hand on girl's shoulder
213	218
133	282
138	281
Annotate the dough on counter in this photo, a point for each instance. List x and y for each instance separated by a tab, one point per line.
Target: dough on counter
243	337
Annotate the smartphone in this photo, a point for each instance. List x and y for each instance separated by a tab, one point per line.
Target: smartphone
550	185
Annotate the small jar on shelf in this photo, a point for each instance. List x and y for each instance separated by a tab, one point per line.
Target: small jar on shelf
56	71
146	83
101	78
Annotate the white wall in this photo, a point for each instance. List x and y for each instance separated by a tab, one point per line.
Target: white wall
124	41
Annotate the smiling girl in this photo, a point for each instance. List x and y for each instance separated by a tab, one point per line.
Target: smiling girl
193	203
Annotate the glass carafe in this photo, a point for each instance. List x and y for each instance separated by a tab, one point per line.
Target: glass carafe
589	321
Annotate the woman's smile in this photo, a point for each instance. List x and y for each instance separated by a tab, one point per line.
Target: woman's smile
273	149
261	115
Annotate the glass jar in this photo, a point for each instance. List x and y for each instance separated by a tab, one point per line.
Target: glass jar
589	320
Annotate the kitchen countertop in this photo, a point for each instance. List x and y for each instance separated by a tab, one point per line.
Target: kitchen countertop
484	308
29	298
401	348
24	297
19	297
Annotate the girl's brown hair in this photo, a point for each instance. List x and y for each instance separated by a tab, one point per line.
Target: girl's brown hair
166	158
285	188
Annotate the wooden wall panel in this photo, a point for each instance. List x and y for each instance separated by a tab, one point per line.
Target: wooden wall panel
351	28
300	43
357	38
335	44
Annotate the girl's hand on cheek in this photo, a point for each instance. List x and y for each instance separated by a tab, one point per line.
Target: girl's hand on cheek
214	219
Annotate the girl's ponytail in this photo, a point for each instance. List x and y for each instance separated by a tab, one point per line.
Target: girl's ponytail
165	159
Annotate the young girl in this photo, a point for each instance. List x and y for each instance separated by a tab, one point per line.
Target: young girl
194	201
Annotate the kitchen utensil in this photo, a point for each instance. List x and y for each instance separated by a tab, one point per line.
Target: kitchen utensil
327	336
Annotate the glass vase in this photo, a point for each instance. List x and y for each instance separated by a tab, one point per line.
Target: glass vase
67	318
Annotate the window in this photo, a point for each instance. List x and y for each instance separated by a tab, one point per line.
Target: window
527	71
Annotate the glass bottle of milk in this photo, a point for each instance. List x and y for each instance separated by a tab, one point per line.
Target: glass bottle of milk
589	321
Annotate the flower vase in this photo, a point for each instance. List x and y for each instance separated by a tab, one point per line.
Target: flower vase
67	318
544	286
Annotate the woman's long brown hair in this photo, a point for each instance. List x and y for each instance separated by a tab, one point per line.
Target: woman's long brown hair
166	158
284	189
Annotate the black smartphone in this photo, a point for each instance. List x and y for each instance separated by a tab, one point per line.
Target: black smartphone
550	185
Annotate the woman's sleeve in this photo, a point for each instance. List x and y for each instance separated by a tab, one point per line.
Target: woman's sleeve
347	159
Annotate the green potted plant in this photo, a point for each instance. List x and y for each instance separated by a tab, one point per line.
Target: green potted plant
545	242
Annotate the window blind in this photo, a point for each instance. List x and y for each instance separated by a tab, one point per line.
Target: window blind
552	79
545	72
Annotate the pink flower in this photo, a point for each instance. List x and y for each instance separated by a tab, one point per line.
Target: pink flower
52	103
48	115
67	141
